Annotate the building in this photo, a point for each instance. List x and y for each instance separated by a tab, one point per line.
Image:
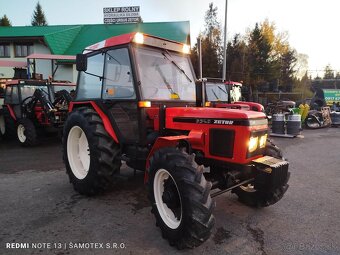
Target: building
18	42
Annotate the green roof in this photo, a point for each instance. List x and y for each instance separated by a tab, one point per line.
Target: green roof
72	39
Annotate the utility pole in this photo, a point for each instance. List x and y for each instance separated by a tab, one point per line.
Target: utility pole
224	70
199	44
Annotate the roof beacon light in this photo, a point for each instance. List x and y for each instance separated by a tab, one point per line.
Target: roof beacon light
186	49
138	38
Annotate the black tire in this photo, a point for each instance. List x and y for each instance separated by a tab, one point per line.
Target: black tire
9	131
2	124
262	198
311	122
192	198
103	153
273	150
28	134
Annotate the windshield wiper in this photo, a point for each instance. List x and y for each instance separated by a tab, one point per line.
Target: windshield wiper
215	94
167	84
176	65
223	90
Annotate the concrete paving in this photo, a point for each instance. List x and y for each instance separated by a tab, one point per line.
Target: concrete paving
41	213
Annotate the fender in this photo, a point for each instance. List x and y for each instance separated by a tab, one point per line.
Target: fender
11	111
161	142
253	106
106	121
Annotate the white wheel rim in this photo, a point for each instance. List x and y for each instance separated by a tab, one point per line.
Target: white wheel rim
2	125
165	212
21	133
248	188
78	152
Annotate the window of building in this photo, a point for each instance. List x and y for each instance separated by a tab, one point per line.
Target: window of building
4	51
23	50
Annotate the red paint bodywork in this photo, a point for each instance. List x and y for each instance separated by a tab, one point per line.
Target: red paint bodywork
241	132
252	105
11	111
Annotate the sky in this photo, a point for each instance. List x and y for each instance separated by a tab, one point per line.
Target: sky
312	25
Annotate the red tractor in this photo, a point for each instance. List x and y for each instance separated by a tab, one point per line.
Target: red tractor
227	95
31	106
137	100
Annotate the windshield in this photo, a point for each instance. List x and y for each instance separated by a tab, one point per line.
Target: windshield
28	90
164	75
216	92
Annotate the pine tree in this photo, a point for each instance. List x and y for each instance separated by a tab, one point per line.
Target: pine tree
38	18
259	53
329	73
5	22
211	46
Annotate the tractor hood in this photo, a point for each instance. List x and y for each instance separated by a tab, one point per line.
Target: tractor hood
213	116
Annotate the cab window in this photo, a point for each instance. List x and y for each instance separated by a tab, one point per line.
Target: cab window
90	84
118	79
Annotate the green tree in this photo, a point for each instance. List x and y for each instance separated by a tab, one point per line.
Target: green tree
38	18
5	22
329	72
211	46
237	64
258	57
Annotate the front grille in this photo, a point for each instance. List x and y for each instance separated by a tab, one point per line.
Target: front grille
221	142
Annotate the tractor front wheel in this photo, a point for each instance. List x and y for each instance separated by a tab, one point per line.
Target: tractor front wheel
248	195
26	132
89	153
180	198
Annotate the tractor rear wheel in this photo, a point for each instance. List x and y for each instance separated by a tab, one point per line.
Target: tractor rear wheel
2	124
90	154
26	132
248	195
180	198
7	124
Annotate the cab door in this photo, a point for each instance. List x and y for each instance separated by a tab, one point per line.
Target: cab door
119	95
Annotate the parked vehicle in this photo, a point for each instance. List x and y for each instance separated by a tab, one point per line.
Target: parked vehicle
281	106
138	100
31	106
227	95
318	119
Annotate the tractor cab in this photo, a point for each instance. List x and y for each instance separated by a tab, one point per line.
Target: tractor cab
131	77
227	95
19	92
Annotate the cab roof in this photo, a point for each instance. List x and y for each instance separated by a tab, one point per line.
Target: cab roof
134	38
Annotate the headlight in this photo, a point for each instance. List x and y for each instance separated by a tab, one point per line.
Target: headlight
253	141
263	141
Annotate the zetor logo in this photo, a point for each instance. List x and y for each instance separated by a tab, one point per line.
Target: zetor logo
223	122
217	122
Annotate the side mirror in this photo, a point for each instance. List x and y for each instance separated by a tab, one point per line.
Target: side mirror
81	62
200	92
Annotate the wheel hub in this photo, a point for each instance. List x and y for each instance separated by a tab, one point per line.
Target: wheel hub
78	152
170	196
21	133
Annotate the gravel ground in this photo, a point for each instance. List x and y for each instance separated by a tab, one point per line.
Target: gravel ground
42	213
